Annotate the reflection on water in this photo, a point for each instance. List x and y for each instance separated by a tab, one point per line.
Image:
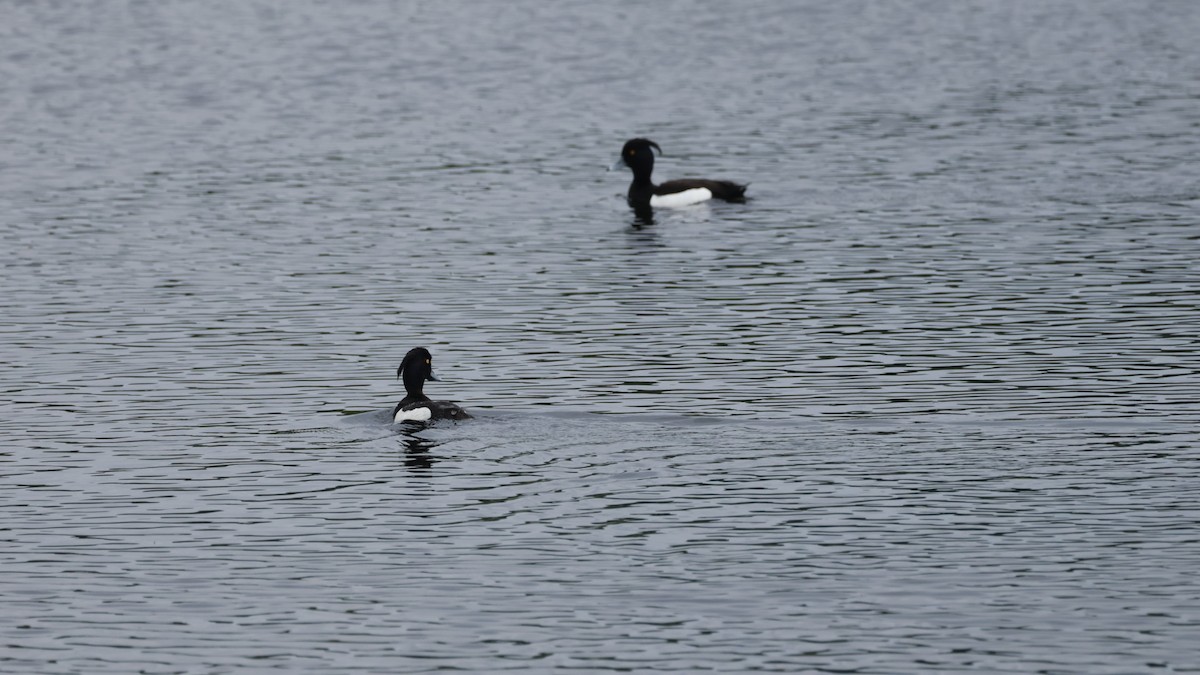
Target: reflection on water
928	400
417	450
643	216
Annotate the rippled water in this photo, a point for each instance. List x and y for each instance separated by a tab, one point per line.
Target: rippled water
928	402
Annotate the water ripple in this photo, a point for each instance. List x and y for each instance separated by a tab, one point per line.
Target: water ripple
925	403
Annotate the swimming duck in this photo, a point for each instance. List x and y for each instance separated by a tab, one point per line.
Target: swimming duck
638	157
415	368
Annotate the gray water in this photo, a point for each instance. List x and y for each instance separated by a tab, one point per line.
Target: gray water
928	402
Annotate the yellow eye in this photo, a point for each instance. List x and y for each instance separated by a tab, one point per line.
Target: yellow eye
428	362
632	152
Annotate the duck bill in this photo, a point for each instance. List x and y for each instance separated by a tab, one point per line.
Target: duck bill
619	164
431	378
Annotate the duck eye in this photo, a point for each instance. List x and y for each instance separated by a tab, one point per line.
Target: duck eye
632	153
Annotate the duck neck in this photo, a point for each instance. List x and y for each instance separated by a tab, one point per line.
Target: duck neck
414	386
412	398
641	176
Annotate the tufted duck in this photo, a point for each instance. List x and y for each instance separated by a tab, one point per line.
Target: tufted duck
417	367
638	156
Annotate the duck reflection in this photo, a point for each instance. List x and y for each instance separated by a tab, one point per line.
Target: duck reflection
643	216
416	449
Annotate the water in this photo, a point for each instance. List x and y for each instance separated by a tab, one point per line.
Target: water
928	402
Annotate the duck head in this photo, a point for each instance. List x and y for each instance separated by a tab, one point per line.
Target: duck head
415	368
638	156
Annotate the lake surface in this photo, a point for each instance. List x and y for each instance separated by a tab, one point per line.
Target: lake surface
928	402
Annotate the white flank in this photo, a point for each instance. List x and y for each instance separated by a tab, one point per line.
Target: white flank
693	196
414	415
